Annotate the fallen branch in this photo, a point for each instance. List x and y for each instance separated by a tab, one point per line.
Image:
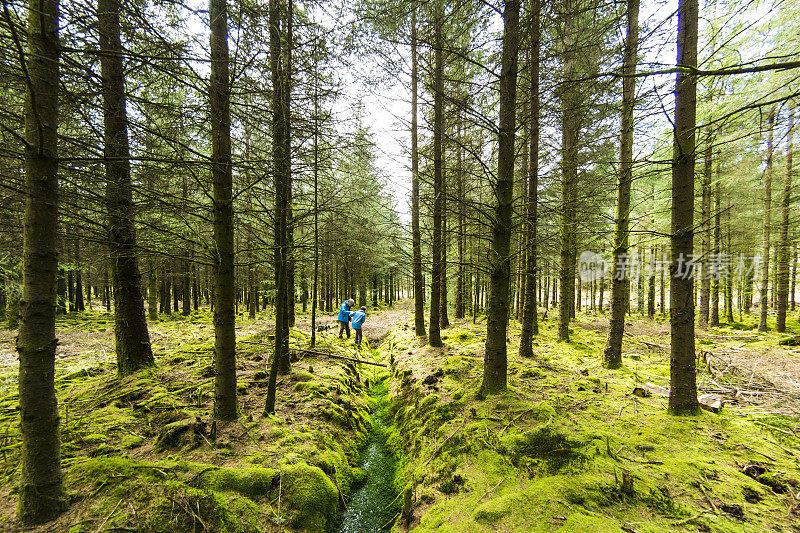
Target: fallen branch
758	452
436	452
692	519
324	354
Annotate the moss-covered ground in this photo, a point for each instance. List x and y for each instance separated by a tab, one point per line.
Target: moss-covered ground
569	446
143	454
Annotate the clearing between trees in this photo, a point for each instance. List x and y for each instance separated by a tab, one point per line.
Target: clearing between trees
569	446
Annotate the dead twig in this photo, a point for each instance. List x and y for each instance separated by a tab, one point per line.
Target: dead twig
436	452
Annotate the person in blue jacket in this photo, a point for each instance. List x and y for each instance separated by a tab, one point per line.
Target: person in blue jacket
358	318
344	317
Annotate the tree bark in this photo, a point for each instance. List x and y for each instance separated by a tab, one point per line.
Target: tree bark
41	492
444	320
225	402
714	314
530	320
130	326
765	246
620	281
705	235
783	245
683	387
434	337
495	359
416	239
570	126
282	178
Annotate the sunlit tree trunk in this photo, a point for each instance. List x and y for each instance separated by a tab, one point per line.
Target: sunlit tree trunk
765	243
783	244
683	386
714	314
705	235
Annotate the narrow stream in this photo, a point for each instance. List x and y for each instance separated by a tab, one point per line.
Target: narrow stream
367	510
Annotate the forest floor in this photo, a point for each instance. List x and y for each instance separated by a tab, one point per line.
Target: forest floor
568	447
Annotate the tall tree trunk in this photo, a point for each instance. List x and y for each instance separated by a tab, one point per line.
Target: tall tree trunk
570	125
434	337
460	288
225	403
315	170
280	359
714	315
41	492
130	326
152	290
79	303
416	239
765	246
495	358
530	320
705	235
683	387
793	276
651	285
783	245
252	295
444	320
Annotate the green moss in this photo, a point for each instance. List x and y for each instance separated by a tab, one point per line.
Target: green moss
94	438
252	482
774	482
302	376
311	496
493	510
587	522
428	401
543	449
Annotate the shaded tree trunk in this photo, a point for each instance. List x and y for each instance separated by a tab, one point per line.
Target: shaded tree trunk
620	276
683	387
416	239
434	337
152	290
495	359
282	178
41	492
130	326
570	126
225	402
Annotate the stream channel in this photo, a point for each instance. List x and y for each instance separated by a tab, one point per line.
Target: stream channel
372	506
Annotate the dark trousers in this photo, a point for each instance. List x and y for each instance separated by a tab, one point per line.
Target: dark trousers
344	326
358	335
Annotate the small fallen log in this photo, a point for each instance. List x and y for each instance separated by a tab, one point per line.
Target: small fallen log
332	356
709	402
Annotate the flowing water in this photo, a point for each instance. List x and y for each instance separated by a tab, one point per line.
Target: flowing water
367	510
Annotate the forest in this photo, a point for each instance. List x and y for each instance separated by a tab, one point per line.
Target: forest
394	265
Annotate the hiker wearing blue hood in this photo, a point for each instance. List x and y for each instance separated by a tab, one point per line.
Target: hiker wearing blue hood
344	317
358	318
